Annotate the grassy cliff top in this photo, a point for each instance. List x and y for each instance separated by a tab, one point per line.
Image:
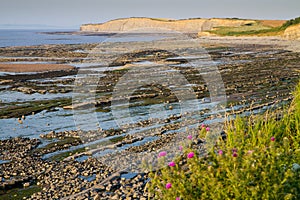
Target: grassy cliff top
260	28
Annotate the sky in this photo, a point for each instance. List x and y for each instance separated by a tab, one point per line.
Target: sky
73	13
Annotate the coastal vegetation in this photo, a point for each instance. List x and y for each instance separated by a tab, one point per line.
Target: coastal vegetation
259	159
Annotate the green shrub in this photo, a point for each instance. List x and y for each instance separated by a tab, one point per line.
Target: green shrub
290	23
259	160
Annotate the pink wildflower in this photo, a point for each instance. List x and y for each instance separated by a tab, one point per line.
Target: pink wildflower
172	164
250	151
162	154
190	155
220	152
168	185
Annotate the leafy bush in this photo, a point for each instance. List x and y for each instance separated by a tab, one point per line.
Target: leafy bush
290	23
259	160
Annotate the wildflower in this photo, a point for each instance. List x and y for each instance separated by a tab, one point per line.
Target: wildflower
162	154
190	137
220	152
203	126
272	139
177	198
180	148
207	129
172	164
234	154
190	155
168	185
250	151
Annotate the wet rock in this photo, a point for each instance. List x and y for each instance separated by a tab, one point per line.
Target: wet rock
198	141
223	135
25	90
26	184
42	91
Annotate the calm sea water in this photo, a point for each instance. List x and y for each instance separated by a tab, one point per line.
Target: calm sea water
35	37
19	37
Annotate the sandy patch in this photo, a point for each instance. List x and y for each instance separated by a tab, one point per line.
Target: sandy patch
33	67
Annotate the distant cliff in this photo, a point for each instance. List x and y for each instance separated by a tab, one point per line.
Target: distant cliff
185	25
292	32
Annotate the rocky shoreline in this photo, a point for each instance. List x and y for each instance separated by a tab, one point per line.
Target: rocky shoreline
71	177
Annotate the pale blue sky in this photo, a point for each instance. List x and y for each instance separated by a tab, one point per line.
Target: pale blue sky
72	13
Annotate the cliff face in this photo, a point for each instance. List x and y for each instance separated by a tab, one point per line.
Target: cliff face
292	32
188	25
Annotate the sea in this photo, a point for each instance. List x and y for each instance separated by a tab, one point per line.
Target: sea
27	37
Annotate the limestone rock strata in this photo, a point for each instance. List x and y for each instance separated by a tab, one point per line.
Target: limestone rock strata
185	25
292	32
